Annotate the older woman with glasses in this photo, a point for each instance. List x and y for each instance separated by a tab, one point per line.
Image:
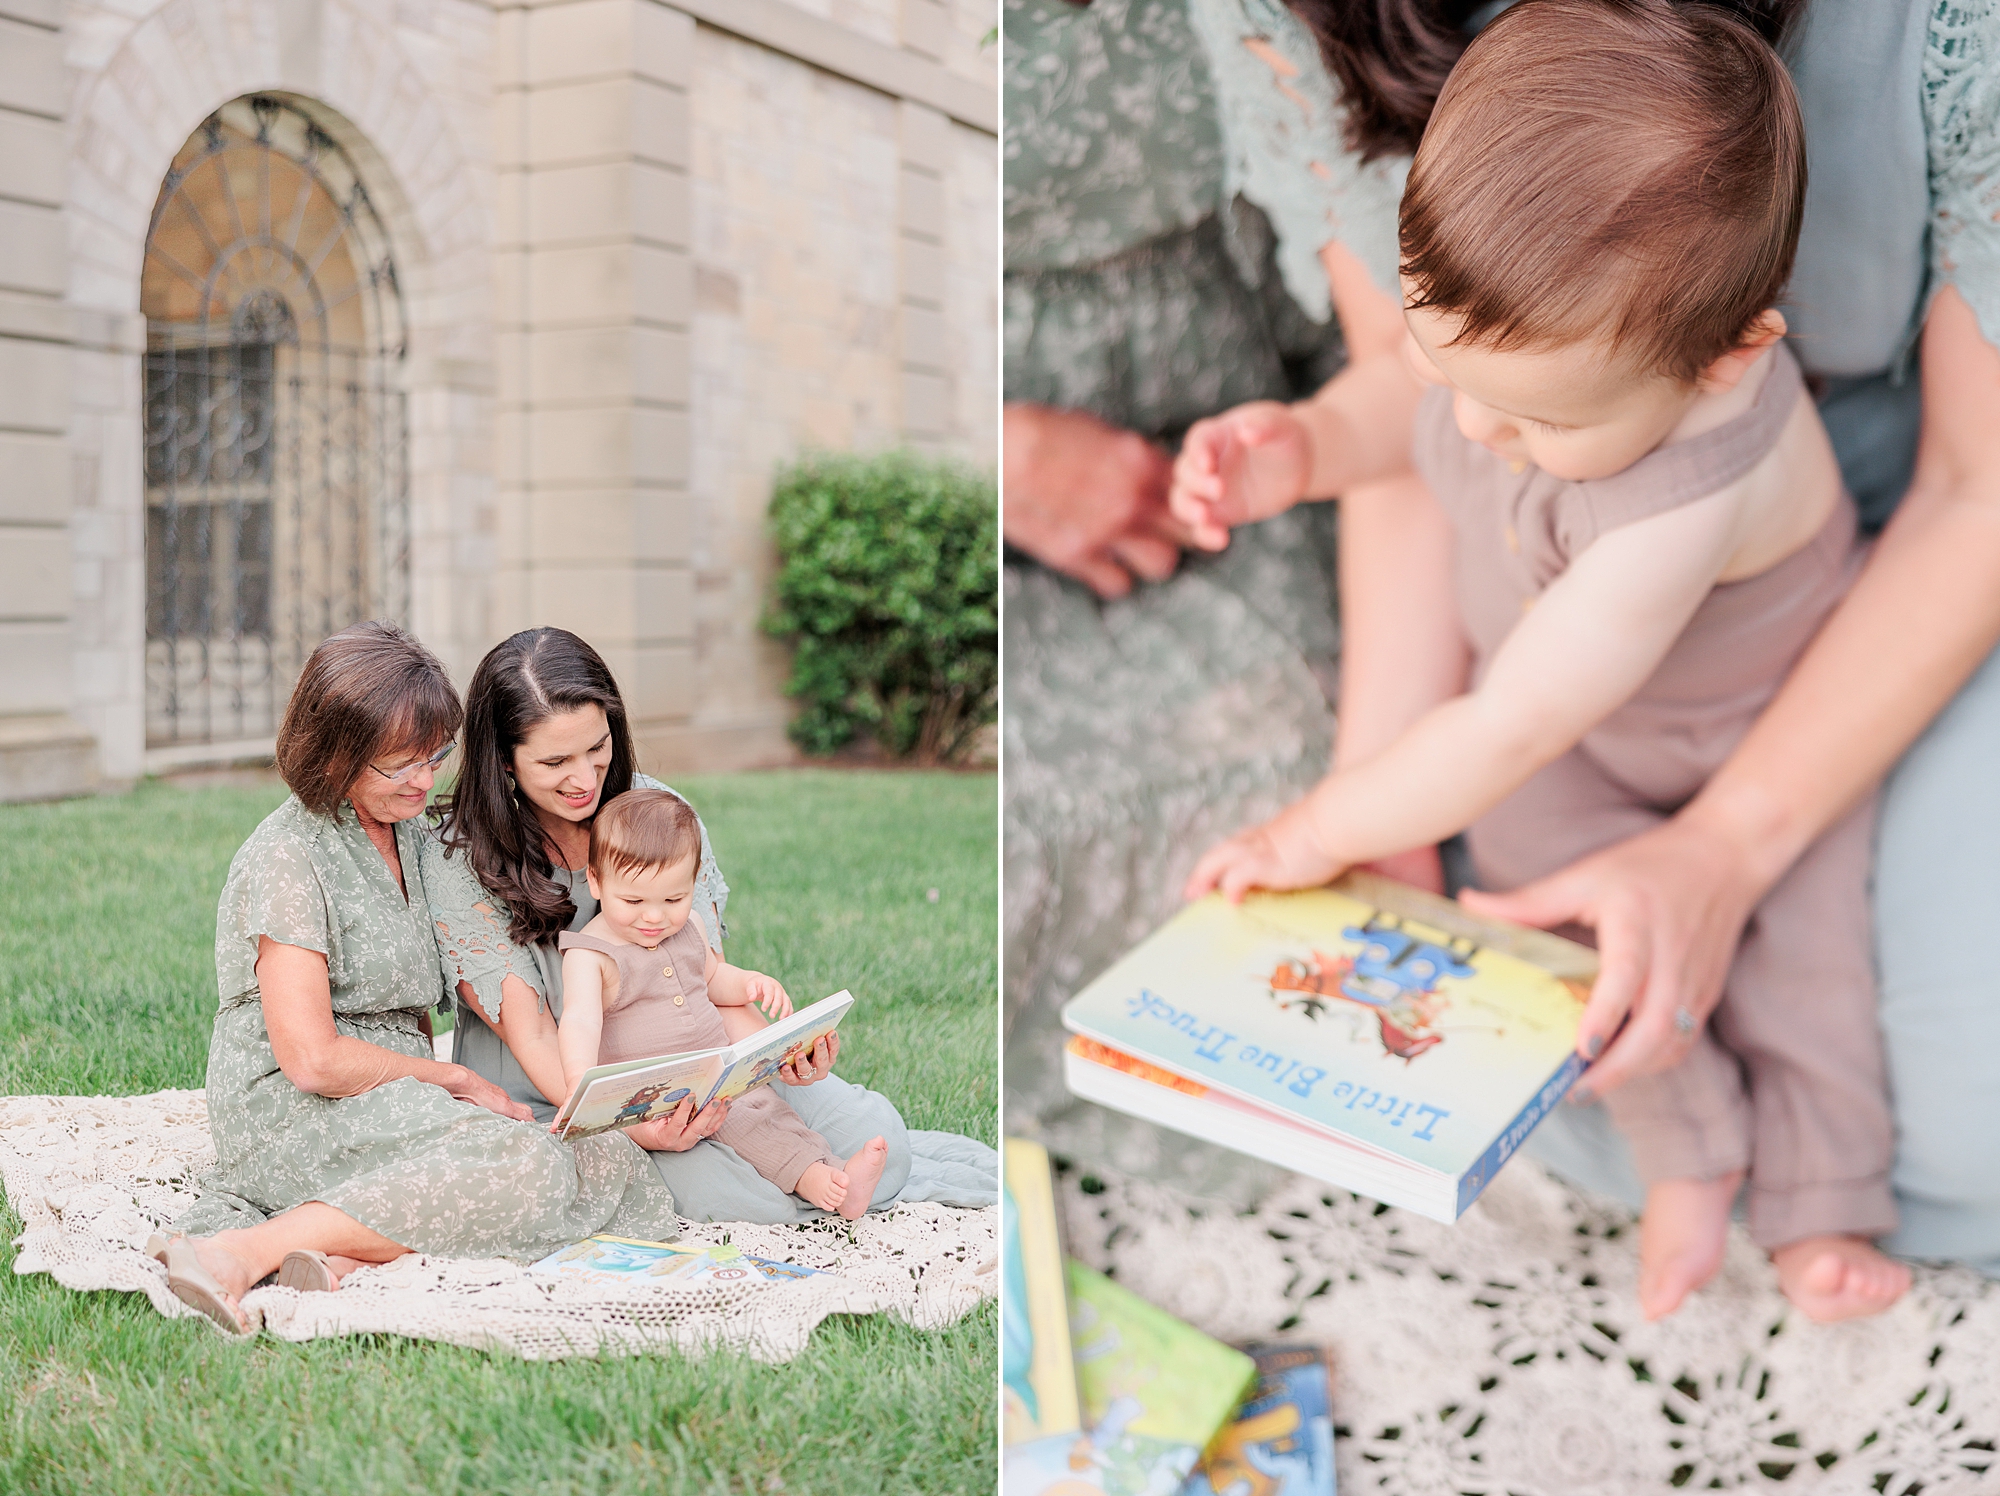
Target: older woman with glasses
339	1139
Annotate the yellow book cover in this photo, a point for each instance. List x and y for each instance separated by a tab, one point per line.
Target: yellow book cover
1389	1017
1038	1378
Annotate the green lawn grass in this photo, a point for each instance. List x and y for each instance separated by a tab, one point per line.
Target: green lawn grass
107	985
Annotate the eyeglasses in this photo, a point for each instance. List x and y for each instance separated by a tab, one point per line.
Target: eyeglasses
409	771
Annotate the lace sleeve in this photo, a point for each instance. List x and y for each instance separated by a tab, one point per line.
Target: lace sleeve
471	930
711	892
1962	124
1283	149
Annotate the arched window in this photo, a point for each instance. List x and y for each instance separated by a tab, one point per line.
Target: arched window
276	462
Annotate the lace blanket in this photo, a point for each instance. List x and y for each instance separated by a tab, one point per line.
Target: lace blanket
1505	1356
92	1176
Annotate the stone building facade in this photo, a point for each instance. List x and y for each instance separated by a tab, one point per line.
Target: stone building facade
480	313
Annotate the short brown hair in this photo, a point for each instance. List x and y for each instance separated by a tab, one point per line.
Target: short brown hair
1628	169
369	690
643	829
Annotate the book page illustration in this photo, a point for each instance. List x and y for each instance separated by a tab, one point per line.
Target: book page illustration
757	1060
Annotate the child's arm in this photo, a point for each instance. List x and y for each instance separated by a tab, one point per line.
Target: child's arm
733	987
582	1027
1402	642
1260	459
1585	647
1357	428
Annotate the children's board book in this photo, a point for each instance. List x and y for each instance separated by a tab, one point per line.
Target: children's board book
613	1096
1280	1442
620	1259
1041	1424
1154	1391
1368	1034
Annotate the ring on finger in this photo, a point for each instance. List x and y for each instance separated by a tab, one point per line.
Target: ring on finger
1683	1021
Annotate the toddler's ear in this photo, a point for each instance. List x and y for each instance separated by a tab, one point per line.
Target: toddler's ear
1728	371
590	877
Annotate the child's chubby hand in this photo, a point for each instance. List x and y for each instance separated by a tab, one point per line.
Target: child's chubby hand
1246	464
1280	854
766	993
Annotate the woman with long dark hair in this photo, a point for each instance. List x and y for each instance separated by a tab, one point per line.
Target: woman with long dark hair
547	742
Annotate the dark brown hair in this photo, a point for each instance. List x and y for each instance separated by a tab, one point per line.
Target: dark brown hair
643	829
1391	58
370	691
1624	169
522	682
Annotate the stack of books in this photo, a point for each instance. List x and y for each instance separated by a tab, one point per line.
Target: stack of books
1103	1392
1368	1034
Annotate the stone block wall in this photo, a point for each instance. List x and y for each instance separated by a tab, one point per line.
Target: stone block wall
783	253
44	751
649	252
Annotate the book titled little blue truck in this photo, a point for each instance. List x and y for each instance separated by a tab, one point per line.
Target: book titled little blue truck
1379	1019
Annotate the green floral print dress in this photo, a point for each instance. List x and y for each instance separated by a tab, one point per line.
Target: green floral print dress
436	1174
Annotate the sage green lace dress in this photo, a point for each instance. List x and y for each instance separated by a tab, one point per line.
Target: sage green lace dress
435	1174
1145	141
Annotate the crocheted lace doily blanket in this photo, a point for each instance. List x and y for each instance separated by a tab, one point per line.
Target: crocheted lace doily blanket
1505	1356
93	1176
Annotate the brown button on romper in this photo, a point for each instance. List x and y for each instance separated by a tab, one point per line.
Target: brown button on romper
663	1008
1787	1079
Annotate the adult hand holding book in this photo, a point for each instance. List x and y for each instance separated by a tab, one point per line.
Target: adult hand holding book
679	1130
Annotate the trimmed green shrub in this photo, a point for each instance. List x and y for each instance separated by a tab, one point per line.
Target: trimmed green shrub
888	579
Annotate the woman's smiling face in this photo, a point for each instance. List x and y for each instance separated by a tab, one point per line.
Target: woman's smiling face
560	764
381	799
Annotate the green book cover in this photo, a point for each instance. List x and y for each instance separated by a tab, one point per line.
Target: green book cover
1154	1391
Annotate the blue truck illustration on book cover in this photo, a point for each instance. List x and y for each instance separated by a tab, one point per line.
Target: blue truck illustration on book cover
1390	1017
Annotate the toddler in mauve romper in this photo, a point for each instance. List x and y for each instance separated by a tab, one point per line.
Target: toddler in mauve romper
640	980
1648	530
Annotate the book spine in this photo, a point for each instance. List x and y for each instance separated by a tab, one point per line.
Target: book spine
1515	1133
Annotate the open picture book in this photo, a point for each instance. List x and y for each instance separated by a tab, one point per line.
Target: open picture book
613	1096
1368	1034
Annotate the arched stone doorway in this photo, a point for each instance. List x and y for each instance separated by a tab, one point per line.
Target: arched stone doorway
276	424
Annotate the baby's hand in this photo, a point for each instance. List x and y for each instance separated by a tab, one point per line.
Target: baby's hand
1282	853
767	994
1245	464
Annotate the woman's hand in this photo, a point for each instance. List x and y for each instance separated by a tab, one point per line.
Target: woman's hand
468	1085
1668	906
815	1066
681	1128
1087	499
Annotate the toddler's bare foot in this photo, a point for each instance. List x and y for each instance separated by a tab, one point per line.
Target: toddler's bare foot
864	1172
845	1190
1839	1277
1681	1237
822	1185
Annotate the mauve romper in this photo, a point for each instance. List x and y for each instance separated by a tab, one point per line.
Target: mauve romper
1787	1078
663	1008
